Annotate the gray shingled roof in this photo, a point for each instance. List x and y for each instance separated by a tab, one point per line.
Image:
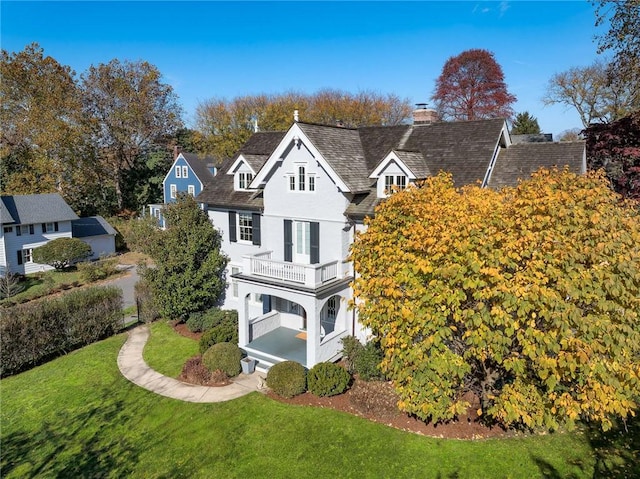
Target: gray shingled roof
415	162
342	149
5	215
220	191
199	166
462	148
519	161
363	204
31	209
91	226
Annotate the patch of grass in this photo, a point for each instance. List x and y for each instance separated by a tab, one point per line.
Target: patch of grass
130	310
166	351
133	258
37	285
77	416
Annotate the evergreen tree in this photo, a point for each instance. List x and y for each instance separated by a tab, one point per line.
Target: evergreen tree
525	124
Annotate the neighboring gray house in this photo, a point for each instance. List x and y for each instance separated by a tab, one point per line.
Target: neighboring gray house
289	205
29	221
97	233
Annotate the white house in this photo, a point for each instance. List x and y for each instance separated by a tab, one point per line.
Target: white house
30	221
289	204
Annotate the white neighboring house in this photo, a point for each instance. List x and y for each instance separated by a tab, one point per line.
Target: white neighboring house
97	233
289	205
30	221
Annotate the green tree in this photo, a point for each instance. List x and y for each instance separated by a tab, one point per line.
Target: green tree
528	297
128	110
189	268
525	124
62	252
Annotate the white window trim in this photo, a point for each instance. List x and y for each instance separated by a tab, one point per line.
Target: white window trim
173	191
185	172
178	171
293	181
192	190
242	214
244	179
27	256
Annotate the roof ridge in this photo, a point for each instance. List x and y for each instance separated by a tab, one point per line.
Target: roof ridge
405	137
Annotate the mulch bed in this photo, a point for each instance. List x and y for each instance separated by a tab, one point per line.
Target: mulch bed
375	401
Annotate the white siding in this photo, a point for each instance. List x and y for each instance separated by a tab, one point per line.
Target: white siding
391	169
13	243
102	245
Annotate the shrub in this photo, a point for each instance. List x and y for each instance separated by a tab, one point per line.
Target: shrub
225	357
62	252
147	310
195	372
351	347
287	379
362	360
97	270
40	330
225	332
328	379
203	321
368	362
10	285
374	396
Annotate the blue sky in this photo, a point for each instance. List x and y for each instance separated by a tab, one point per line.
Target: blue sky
227	49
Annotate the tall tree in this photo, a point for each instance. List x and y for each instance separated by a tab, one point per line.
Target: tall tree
189	266
128	109
471	87
622	17
227	124
525	124
42	147
592	93
527	297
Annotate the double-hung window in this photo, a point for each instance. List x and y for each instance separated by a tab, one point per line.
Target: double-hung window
302	180
192	190
178	172
302	177
24	230
25	256
245	227
174	191
49	227
185	172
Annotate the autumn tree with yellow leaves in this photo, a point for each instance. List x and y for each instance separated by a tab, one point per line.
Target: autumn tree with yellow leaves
528	297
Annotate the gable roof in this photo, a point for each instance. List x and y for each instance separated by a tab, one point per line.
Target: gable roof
199	165
30	209
520	161
91	226
220	191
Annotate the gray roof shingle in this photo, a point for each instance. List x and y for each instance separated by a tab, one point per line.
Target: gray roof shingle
220	191
30	209
199	166
91	226
519	161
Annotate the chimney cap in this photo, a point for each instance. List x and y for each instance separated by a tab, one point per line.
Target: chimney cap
421	106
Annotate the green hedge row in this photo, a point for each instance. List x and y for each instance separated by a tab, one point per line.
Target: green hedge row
38	331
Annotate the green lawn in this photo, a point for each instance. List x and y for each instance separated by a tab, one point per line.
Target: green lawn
167	351
78	417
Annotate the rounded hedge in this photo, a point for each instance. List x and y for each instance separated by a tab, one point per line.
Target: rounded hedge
224	332
224	357
328	379
287	379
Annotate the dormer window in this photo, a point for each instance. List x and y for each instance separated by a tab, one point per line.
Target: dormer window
244	180
394	181
178	172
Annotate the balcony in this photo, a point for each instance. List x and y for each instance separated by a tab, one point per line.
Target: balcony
311	275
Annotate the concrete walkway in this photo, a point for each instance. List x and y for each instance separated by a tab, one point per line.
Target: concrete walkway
133	367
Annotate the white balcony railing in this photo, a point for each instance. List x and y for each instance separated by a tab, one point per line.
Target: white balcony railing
312	275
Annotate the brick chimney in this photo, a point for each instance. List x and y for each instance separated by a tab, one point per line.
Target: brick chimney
423	115
176	151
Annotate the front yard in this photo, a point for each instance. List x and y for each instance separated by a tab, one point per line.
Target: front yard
78	417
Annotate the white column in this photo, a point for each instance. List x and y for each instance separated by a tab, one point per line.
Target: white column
243	314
